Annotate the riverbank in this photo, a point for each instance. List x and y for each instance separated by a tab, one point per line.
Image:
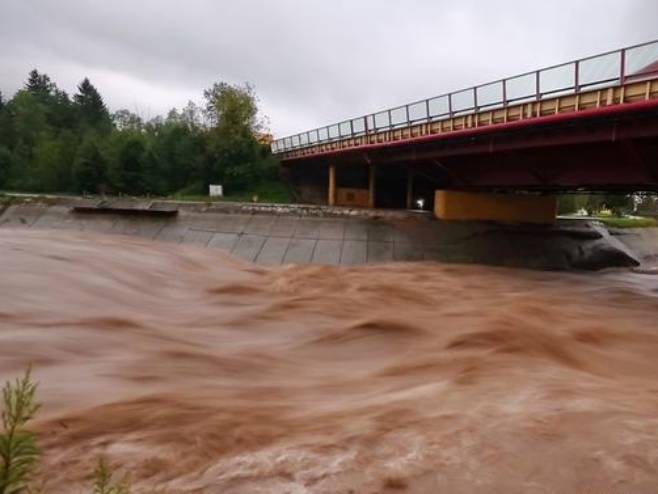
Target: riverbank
276	234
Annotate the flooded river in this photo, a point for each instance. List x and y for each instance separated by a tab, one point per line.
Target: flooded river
192	371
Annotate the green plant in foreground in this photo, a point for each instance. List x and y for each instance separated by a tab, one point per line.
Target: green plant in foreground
19	453
103	481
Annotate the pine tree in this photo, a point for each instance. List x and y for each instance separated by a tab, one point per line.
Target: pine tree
39	84
93	111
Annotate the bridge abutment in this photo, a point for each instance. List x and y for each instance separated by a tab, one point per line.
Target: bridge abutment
506	208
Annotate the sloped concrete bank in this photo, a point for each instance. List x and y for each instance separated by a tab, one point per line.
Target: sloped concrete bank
281	234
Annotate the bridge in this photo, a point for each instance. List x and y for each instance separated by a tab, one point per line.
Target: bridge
499	150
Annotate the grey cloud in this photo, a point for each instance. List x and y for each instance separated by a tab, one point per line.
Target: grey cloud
312	62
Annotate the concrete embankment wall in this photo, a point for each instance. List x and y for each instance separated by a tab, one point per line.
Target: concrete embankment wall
643	242
338	236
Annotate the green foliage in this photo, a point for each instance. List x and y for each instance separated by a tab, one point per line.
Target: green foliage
628	222
618	204
594	204
103	483
268	192
178	147
127	163
39	84
27	120
6	165
18	450
566	204
92	110
237	158
19	454
52	143
90	170
125	120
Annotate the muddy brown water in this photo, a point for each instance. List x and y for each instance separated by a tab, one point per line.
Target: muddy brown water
192	371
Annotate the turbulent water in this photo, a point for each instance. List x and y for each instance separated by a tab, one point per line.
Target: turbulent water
194	372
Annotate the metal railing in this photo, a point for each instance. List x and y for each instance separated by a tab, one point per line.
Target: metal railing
593	72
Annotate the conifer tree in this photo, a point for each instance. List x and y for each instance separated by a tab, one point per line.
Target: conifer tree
93	111
39	84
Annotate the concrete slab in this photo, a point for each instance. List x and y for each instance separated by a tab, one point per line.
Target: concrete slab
172	232
327	252
331	230
407	251
197	237
284	226
225	241
21	216
354	252
259	225
125	203
249	246
273	251
304	239
446	253
379	252
94	223
355	230
52	217
410	232
300	250
228	223
213	221
141	227
380	232
308	228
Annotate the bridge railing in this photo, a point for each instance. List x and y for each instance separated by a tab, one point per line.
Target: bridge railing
594	72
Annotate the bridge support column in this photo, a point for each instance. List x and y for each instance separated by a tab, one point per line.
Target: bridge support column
331	199
506	208
410	189
372	173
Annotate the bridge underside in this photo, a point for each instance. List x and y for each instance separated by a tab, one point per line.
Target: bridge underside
600	151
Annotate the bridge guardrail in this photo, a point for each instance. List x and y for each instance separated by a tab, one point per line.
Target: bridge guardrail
594	72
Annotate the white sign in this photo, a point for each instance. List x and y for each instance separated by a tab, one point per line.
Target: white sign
216	191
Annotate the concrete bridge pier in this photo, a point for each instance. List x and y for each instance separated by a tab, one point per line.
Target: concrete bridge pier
506	208
368	186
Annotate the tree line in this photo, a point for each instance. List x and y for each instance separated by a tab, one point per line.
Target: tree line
51	142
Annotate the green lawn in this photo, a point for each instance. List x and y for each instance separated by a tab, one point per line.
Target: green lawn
627	222
273	192
269	192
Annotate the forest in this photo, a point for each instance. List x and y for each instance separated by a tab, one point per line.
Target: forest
53	142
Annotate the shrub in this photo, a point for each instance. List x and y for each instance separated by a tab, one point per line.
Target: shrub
19	453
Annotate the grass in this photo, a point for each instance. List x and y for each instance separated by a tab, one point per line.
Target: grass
268	192
628	221
271	192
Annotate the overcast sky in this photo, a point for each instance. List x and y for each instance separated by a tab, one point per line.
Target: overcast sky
312	62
